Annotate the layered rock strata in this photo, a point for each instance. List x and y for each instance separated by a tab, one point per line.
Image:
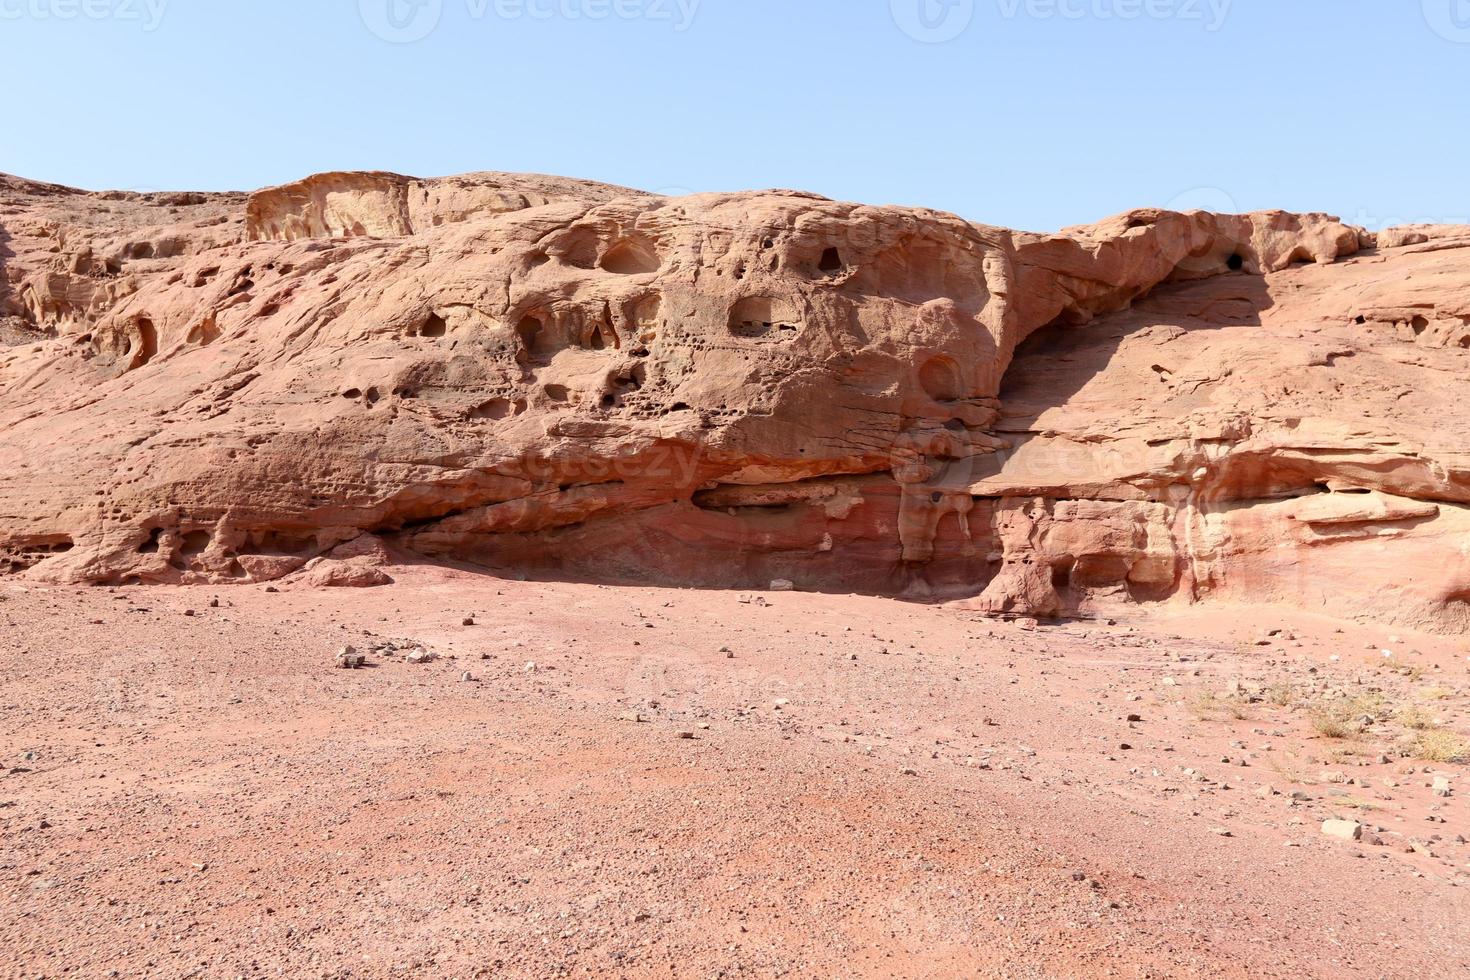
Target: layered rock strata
556	377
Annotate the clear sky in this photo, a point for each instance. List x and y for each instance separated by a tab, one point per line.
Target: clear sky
1028	113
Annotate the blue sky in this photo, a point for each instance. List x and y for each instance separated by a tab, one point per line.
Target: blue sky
1027	113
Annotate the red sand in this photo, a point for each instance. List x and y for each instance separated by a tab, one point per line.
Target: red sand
882	789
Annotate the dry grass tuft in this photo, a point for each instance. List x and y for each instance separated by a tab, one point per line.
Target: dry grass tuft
1209	706
1439	745
1346	717
1333	724
1416	718
1281	693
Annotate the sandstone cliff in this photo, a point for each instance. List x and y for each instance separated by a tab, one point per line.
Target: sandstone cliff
564	378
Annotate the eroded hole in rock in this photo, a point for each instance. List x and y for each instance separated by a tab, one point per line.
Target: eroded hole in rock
942	379
145	344
831	262
529	332
433	326
372	396
23	556
1419	324
497	408
243	283
1061	574
557	393
630	380
764	318
196	542
352	393
1465	341
150	547
631	257
577	249
1235	263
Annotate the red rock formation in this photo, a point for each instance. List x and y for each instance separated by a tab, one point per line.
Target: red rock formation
567	378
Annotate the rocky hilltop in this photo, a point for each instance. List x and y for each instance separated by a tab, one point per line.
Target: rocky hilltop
564	378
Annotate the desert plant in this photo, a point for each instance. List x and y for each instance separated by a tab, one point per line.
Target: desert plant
1340	720
1417	718
1209	706
1438	745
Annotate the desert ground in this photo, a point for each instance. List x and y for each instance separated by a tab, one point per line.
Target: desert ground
557	779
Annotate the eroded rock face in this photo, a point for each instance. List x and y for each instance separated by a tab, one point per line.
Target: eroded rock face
566	378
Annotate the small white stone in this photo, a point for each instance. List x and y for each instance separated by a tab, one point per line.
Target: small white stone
1342	829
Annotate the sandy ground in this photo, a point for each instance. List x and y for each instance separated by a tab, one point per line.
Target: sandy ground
677	783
